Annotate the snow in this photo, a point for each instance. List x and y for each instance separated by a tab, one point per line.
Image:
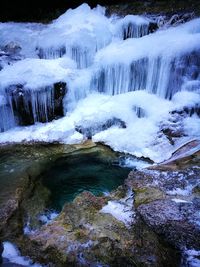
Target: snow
49	217
181	191
131	162
185	98
36	73
84	49
164	43
12	253
121	209
192	257
178	200
132	26
141	136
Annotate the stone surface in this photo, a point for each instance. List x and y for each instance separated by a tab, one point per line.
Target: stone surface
145	195
173	209
178	223
82	236
165	215
184	157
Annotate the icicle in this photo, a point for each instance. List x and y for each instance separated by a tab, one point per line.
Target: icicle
162	76
82	56
7	119
134	27
51	52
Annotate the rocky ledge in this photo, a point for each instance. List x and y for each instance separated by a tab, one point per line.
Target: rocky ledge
152	220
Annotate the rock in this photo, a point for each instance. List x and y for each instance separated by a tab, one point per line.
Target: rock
89	131
175	221
185	156
165	217
171	206
177	19
9	54
22	196
153	26
170	183
196	190
60	91
12	48
1	251
156	7
83	236
17	185
147	194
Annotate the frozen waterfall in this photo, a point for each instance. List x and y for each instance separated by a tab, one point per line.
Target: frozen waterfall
49	71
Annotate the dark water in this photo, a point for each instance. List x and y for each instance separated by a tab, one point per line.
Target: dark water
71	175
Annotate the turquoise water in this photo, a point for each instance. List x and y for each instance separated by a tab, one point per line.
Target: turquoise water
74	174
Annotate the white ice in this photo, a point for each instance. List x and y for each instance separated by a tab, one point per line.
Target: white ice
12	254
121	209
87	42
140	138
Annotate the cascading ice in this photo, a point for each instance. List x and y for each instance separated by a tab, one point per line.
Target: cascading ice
158	63
134	27
90	68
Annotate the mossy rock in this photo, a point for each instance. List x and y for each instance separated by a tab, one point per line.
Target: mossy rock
147	194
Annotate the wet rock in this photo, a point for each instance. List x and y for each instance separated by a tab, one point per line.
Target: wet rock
18	180
92	130
60	91
153	26
196	190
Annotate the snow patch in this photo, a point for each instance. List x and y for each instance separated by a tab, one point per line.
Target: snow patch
121	209
12	253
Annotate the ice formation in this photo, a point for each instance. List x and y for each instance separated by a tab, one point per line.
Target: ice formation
113	68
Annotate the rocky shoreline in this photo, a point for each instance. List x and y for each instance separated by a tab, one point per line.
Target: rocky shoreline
152	220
